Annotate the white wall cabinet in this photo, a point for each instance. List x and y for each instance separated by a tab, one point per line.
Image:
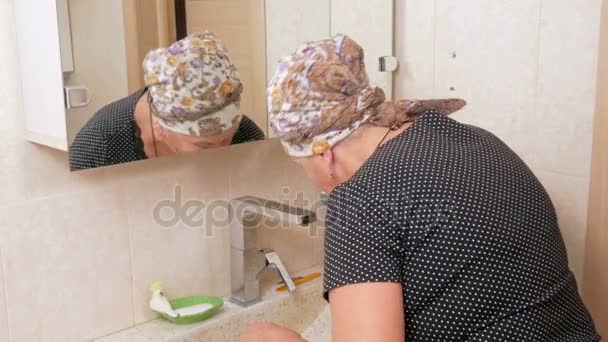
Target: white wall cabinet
72	64
41	72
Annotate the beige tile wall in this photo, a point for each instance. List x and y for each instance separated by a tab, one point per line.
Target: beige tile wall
528	70
3	314
79	251
66	259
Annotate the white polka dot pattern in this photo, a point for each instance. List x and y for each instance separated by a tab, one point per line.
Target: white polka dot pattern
451	213
112	137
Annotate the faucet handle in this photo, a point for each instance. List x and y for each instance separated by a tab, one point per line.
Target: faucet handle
274	261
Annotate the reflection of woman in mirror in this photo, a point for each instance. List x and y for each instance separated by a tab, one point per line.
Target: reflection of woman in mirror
435	230
191	103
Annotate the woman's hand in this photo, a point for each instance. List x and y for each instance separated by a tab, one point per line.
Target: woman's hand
269	332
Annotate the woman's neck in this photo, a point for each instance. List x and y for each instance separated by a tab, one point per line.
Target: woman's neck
352	153
153	146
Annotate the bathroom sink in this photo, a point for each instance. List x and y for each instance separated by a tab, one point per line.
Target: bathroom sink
320	329
304	311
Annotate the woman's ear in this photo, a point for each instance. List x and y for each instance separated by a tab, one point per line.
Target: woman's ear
328	159
160	131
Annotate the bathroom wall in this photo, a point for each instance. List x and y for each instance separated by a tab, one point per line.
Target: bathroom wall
78	251
596	278
528	70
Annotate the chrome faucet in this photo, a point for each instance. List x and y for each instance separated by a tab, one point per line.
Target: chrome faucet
247	262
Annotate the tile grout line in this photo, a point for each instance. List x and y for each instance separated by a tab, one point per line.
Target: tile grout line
557	173
5	294
131	269
331	29
538	57
434	48
56	195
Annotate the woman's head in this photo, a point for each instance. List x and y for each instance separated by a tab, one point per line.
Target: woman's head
320	98
194	91
320	95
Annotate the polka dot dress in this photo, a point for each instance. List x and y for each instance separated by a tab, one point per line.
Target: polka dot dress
454	216
112	137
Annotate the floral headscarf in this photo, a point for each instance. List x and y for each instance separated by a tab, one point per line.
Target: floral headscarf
194	88
321	94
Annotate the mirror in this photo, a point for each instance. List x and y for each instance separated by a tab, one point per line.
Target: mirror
103	44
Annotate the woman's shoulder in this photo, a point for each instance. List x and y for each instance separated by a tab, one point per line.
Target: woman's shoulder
116	115
110	123
112	119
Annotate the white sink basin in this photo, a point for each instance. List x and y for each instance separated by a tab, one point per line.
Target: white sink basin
320	329
304	311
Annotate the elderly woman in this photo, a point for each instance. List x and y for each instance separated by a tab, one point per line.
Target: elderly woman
436	230
191	102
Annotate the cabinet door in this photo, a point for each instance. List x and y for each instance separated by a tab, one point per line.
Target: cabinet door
40	56
370	23
487	53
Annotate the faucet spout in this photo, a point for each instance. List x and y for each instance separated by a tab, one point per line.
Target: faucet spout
275	210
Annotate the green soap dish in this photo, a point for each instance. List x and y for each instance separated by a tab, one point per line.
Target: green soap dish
181	303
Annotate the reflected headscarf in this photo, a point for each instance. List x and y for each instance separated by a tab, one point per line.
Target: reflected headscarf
194	88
